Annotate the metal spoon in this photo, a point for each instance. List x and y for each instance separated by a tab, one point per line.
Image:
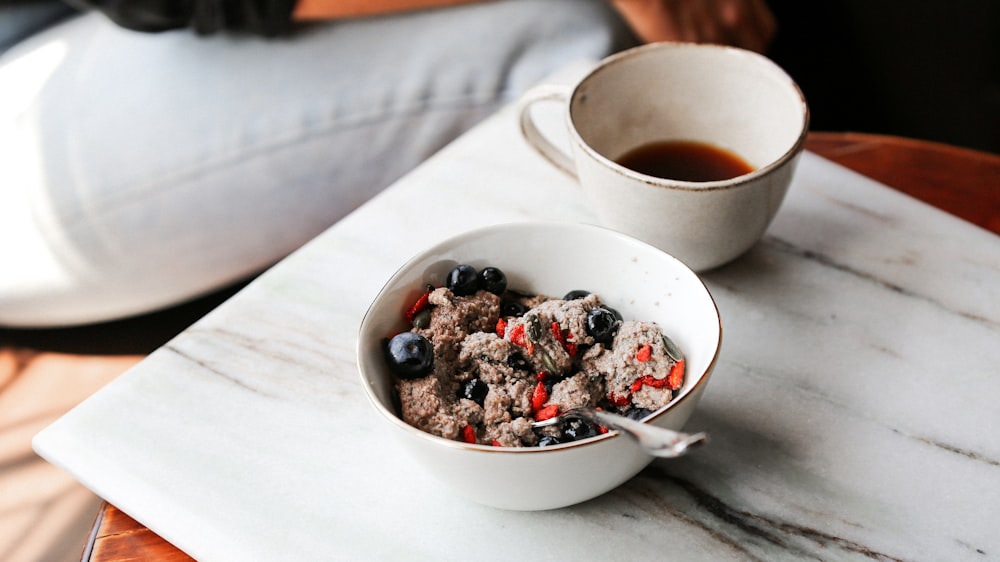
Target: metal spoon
657	441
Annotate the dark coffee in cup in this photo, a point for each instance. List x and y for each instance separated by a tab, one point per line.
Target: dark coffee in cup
728	98
685	161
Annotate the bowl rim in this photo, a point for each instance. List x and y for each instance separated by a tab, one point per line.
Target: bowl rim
438	247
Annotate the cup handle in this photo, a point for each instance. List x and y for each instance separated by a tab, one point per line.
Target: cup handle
530	132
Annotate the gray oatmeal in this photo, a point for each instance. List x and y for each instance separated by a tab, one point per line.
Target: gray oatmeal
501	362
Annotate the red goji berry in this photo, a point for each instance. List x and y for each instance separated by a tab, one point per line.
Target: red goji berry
548	412
602	430
618	400
644	354
541	376
560	337
676	377
501	327
517	335
421	304
648	380
673	380
496	443
469	434
539	397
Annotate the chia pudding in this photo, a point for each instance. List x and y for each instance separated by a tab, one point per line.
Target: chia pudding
482	362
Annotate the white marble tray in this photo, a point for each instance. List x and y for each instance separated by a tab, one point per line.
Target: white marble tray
854	413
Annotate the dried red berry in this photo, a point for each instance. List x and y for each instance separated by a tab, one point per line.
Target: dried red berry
676	377
644	354
469	434
548	412
618	400
539	397
673	380
648	380
517	336
501	327
560	337
421	304
496	443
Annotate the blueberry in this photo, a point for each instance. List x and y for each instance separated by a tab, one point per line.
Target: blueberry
512	308
576	294
475	390
463	280
517	362
410	355
548	441
574	430
602	324
638	414
493	280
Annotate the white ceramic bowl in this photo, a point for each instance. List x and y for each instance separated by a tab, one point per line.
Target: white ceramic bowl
639	280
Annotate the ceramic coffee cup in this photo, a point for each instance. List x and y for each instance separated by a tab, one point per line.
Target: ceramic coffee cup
729	99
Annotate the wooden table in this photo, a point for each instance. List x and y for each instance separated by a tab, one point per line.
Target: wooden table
963	182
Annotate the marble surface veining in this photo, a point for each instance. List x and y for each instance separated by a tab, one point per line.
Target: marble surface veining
853	414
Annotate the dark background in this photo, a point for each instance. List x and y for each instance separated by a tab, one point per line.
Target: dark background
918	68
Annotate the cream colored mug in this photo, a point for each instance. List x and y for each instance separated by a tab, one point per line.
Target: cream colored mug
727	98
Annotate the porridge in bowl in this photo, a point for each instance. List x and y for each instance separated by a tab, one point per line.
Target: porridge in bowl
482	362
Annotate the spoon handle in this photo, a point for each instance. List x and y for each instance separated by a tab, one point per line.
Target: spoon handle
657	441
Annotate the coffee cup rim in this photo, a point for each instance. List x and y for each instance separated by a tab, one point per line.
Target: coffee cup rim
715	185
